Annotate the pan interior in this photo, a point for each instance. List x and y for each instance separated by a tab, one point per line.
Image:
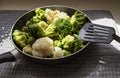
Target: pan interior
21	21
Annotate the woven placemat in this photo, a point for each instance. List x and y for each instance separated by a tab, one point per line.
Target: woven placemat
98	60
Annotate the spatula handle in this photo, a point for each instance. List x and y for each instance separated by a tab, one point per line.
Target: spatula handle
117	38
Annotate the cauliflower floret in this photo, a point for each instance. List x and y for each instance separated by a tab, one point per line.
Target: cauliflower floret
43	47
58	52
63	15
53	16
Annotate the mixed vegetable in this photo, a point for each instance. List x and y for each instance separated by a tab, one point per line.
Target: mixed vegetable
50	34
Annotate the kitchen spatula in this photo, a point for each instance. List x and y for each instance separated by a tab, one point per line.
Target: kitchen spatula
97	33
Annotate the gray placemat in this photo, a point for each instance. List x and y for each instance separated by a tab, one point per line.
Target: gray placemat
97	61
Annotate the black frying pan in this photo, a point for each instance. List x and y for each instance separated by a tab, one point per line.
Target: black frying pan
17	53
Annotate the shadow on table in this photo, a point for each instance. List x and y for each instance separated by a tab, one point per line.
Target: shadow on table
95	61
78	67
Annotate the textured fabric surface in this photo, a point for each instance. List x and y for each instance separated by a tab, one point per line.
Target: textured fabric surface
97	61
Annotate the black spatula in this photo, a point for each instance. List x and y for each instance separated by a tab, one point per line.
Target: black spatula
97	33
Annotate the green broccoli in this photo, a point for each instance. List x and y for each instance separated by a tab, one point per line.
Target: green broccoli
72	44
22	38
30	39
39	16
59	29
19	37
27	49
25	29
77	20
43	24
66	52
77	45
63	26
67	42
58	43
38	29
51	32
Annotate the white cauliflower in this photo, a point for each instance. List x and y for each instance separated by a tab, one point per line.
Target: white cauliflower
53	16
43	47
58	52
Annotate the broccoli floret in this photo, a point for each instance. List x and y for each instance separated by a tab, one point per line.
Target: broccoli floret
77	20
19	37
27	49
72	44
51	32
43	24
35	30
25	29
77	45
66	52
63	26
59	29
39	16
67	42
30	39
22	38
38	30
58	43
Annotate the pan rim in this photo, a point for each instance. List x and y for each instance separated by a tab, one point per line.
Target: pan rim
61	6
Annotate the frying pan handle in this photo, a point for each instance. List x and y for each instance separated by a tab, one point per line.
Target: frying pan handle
9	56
117	38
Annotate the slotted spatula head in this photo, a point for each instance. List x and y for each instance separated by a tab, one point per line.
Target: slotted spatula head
96	33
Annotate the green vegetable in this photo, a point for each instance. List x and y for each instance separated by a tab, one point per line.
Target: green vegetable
39	16
51	32
22	38
43	24
38	29
19	37
67	42
59	29
63	26
63	33
72	44
66	53
30	39
27	49
25	29
77	45
58	43
77	20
